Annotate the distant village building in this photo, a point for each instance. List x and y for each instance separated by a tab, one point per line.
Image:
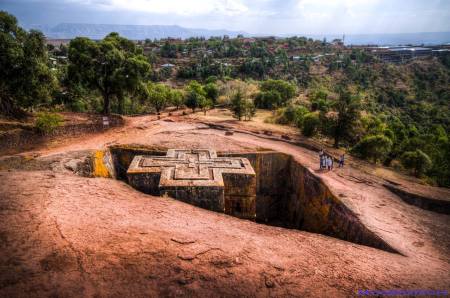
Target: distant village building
248	40
317	58
57	42
440	52
403	54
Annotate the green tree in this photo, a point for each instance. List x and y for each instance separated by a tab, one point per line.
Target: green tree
441	162
249	109
113	66
300	113
417	161
293	114
238	105
25	78
310	124
268	99
285	89
158	96
169	50
194	95
212	92
176	98
347	107
373	147
205	104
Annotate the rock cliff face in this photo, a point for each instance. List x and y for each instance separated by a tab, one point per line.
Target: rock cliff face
287	194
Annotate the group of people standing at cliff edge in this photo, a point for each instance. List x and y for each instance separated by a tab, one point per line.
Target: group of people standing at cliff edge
327	162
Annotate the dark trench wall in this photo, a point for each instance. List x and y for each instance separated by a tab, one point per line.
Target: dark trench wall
122	156
287	194
309	205
271	178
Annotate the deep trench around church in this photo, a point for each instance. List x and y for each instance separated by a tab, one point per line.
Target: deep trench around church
288	195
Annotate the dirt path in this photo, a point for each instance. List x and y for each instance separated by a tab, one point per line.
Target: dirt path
72	236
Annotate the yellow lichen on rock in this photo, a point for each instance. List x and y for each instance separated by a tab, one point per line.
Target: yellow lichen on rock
100	169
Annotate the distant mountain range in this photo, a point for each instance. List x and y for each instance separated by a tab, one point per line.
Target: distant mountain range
135	32
140	32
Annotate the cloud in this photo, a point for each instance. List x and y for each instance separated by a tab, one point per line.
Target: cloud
254	16
176	7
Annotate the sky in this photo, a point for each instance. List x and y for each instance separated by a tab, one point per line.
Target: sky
253	16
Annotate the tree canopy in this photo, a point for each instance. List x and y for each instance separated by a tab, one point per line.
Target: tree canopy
195	94
347	108
274	93
113	66
159	96
25	78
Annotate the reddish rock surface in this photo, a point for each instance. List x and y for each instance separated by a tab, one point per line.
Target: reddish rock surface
66	235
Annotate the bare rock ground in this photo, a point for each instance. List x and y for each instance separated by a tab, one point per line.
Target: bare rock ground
71	236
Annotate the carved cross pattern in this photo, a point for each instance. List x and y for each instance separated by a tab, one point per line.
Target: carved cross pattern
185	167
198	177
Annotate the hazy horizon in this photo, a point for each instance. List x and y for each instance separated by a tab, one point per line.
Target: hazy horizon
30	26
258	17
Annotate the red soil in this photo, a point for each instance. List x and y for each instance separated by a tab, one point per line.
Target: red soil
66	235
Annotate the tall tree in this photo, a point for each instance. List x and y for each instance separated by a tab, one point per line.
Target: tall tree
113	66
25	78
159	96
194	95
212	92
176	98
241	106
347	108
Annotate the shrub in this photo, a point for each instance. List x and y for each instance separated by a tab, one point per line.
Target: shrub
249	109
274	93
158	96
212	92
285	89
78	106
320	105
318	94
176	98
310	124
389	133
211	79
417	161
268	100
205	104
48	122
373	147
194	95
300	113
291	115
242	107
237	105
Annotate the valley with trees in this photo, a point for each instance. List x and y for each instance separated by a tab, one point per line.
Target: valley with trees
397	115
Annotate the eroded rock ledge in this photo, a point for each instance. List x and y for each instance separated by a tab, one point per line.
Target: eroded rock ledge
287	195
